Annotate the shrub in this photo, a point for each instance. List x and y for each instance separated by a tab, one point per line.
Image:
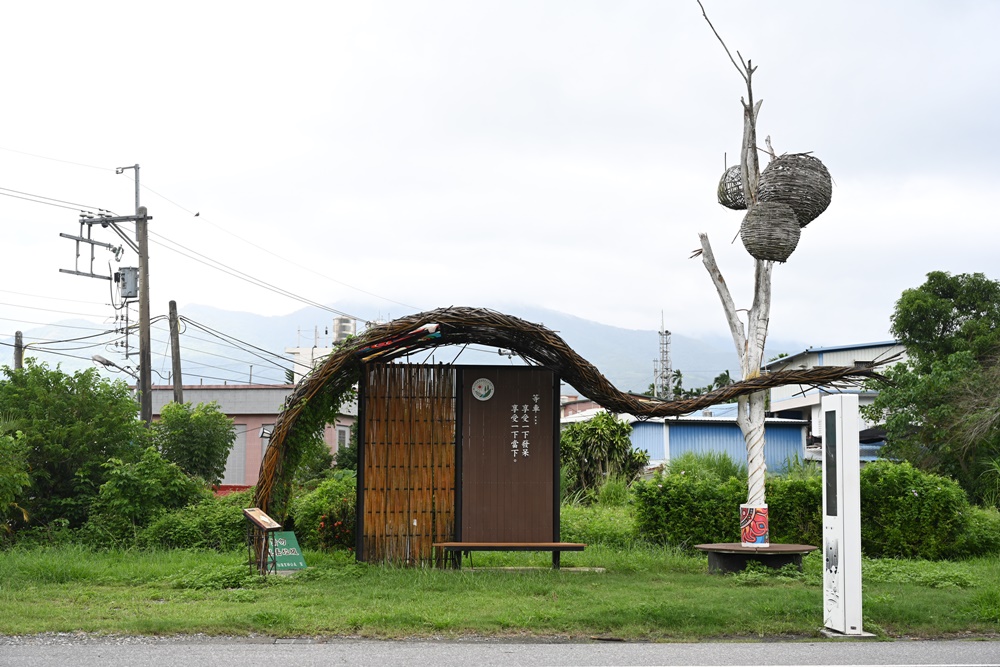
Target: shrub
683	511
337	526
907	513
213	523
795	509
327	499
983	535
136	493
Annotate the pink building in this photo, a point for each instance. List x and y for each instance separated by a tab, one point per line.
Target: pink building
253	409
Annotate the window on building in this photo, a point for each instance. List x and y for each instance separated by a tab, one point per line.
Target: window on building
236	464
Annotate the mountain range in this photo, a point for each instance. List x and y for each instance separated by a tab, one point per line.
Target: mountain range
624	356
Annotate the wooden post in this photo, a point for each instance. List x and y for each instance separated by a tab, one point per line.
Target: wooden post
175	354
18	350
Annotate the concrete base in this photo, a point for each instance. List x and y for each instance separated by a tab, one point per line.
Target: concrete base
833	634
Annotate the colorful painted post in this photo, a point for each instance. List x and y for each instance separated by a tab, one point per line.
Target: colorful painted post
754	526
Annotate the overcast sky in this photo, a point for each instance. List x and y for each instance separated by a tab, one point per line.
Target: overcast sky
557	154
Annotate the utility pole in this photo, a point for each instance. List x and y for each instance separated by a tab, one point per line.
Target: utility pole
175	354
18	350
145	356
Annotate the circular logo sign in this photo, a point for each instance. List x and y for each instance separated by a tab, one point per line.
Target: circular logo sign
482	389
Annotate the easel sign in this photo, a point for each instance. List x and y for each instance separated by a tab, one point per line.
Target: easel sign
257	517
260	540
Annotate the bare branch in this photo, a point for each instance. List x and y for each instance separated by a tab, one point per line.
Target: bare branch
735	325
741	71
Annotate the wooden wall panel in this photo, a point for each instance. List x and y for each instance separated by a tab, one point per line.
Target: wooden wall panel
409	462
508	454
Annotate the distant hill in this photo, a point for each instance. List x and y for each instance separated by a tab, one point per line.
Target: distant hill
624	356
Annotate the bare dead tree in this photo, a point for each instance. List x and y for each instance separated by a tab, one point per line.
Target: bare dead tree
749	338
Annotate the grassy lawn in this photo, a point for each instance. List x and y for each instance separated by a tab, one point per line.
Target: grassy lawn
643	594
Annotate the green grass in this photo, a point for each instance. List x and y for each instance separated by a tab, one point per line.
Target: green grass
645	593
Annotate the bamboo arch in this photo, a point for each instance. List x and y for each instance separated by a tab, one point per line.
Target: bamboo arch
317	397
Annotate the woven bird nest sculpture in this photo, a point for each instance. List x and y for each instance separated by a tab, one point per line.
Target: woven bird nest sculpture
770	231
799	181
325	387
730	192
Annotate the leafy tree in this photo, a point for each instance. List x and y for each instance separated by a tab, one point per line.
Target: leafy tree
941	407
316	462
13	469
197	439
597	449
138	492
72	425
347	457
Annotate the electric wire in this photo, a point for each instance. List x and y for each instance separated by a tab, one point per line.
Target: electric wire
274	254
246	277
53	199
52	298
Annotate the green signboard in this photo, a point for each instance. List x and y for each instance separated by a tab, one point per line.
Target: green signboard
286	552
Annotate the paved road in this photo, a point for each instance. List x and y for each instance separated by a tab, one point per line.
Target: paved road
152	652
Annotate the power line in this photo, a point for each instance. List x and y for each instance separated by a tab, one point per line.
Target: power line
52	199
284	259
236	273
52	298
43	157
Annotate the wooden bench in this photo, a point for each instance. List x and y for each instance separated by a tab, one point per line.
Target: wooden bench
456	549
733	557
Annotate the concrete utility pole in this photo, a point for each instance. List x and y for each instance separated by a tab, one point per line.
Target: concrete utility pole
145	356
175	354
18	350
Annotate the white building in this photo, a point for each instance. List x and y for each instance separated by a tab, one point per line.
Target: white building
803	402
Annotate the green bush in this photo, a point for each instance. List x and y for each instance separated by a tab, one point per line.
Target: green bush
213	523
908	513
795	510
136	493
328	499
683	511
337	527
982	537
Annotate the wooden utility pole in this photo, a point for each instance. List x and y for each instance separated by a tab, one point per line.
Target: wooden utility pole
175	354
18	349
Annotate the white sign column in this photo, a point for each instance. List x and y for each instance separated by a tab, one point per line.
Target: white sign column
841	515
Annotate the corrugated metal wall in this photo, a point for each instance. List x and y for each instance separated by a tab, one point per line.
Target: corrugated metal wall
648	437
784	441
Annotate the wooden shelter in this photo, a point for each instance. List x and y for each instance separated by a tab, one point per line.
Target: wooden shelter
413	482
466	454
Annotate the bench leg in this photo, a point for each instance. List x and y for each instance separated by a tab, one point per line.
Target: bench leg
555	559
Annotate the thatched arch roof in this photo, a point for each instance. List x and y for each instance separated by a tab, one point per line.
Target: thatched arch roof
322	389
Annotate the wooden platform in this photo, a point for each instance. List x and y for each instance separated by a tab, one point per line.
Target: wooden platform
733	556
456	549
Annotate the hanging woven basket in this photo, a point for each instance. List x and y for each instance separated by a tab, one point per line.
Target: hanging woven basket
731	189
800	181
770	231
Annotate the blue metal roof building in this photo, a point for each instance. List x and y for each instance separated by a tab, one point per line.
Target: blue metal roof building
713	431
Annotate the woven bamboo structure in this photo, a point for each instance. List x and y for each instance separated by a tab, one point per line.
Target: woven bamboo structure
770	231
328	383
730	192
800	181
